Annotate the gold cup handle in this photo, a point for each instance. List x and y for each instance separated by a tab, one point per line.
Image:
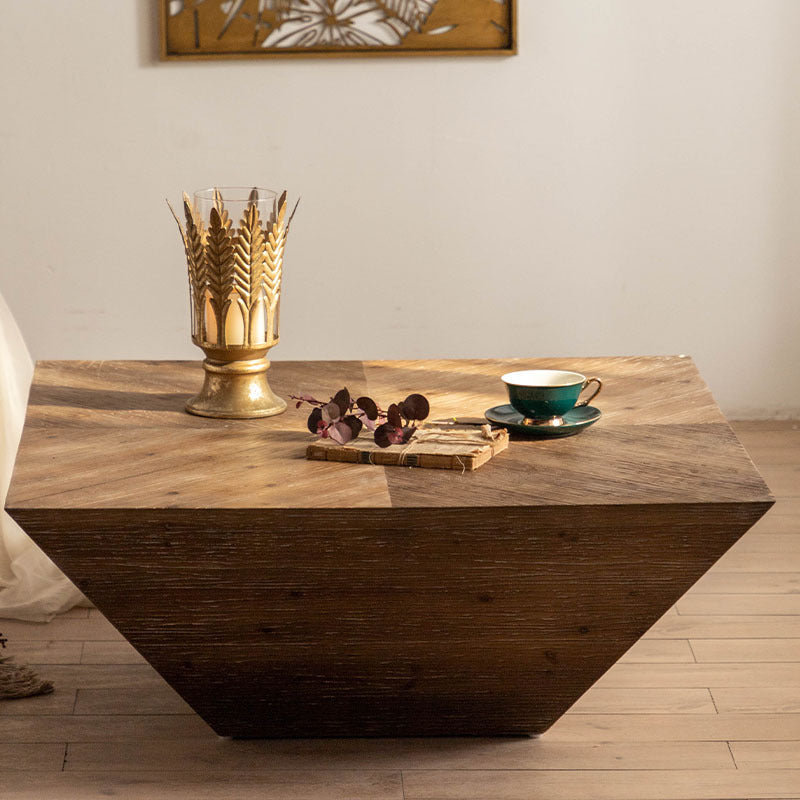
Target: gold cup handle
593	394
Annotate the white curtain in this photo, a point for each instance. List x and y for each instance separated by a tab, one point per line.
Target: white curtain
31	586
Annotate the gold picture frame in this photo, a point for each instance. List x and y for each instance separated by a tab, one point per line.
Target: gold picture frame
211	29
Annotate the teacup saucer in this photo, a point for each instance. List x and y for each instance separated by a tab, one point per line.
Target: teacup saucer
574	421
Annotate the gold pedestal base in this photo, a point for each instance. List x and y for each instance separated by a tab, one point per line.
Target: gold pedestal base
236	390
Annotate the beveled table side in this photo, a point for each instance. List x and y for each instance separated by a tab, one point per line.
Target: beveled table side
284	597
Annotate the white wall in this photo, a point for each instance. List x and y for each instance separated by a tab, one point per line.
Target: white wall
630	183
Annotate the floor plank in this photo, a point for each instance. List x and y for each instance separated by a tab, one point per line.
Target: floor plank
110	653
726	627
746	650
766	755
599	700
301	785
35	756
673	727
44	652
770	700
109	728
674	784
659	676
61	628
776	561
101	676
467	753
61	701
156	700
739	604
720	582
767	543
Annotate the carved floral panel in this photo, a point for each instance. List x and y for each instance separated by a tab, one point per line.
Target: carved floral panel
240	28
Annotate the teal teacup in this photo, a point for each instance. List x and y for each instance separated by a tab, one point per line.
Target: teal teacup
543	396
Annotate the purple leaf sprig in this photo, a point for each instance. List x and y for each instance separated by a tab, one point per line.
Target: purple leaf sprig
341	418
401	419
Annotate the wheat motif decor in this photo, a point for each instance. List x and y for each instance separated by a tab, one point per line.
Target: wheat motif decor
245	28
234	291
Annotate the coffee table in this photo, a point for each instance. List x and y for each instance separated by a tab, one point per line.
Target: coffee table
283	597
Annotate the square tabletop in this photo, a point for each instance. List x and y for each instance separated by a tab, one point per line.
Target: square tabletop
114	435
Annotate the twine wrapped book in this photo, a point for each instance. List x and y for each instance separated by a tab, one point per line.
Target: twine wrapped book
436	445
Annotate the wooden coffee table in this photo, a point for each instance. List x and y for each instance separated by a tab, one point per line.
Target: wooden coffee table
283	597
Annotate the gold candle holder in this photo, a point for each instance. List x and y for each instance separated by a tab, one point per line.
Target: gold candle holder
235	291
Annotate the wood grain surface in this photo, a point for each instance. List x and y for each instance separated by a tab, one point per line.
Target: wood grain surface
119	438
286	597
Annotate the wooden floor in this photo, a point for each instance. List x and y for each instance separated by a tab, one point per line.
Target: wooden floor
707	705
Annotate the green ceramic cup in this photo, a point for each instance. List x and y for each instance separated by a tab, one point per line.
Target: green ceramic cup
547	394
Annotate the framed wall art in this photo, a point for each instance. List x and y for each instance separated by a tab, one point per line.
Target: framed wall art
264	28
